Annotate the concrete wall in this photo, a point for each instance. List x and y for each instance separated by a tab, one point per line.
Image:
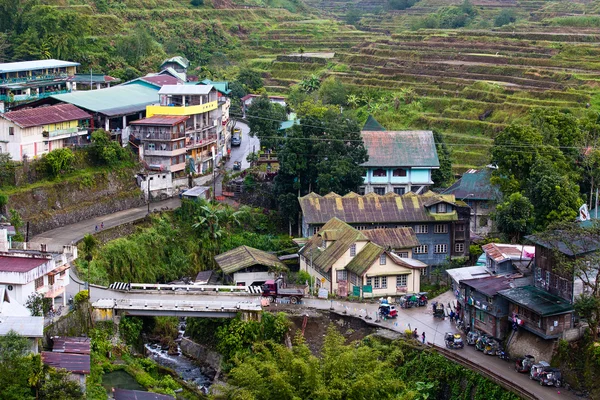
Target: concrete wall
210	360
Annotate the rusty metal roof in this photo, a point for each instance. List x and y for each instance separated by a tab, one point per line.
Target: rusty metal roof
244	257
20	264
364	259
502	252
169	120
373	208
66	344
75	363
124	394
396	238
46	115
490	285
400	149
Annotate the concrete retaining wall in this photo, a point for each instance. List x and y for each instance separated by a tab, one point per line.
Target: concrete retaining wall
209	360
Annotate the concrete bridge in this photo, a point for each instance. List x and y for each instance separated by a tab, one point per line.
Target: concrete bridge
113	309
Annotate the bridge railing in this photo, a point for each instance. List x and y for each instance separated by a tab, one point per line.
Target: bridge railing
196	288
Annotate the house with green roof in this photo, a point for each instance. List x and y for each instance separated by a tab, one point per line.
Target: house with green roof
475	188
440	222
342	258
247	266
178	63
399	161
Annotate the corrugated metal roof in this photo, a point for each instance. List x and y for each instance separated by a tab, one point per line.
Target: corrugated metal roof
489	286
579	243
66	344
31	327
364	259
124	394
116	100
502	252
396	238
400	149
373	208
406	261
474	185
204	276
46	115
185	90
75	363
537	300
161	80
182	61
95	78
372	125
244	257
37	64
169	120
220	86
460	274
20	264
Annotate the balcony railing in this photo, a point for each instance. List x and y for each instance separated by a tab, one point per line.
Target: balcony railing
190	144
34	78
165	153
33	96
60	132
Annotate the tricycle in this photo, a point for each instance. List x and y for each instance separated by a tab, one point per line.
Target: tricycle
524	364
237	165
492	347
453	340
481	342
472	338
387	311
537	370
550	377
438	312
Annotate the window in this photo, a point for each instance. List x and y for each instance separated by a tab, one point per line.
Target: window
352	249
440	228
150	146
547	278
460	228
401	280
384	282
342	275
421	229
39	282
379	190
361	190
315	230
441	208
404	254
440	248
376	282
459	247
424	272
422	249
363	173
480	315
382	259
369	281
399	172
380	172
50	279
399	190
11	130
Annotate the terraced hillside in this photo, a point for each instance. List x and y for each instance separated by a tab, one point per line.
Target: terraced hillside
470	83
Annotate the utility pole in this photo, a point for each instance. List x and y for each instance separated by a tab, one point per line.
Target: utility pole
148	179
91	81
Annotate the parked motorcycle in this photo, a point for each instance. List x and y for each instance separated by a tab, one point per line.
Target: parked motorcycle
503	355
481	342
491	347
551	377
453	340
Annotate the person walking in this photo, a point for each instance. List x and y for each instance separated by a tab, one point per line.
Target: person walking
102	225
415	334
423	337
96	228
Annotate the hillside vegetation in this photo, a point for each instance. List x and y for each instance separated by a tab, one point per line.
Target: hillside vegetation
469	68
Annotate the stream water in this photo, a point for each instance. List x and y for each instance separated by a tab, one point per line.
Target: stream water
184	366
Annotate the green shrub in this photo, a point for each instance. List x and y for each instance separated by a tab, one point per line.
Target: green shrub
81	297
197	3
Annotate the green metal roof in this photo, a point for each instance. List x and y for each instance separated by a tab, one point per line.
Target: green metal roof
400	149
474	185
288	124
182	61
537	300
113	101
364	259
243	257
372	125
221	86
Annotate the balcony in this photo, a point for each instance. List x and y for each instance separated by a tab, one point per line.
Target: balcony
177	167
165	153
33	96
192	144
181	110
34	78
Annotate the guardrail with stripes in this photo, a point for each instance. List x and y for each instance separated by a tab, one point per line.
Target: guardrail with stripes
124	286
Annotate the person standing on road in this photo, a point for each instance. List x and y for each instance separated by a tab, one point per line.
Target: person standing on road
423	337
415	334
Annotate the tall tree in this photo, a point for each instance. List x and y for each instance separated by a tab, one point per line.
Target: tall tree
514	217
264	119
251	79
443	176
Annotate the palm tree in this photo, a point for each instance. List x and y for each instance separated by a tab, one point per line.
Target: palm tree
352	100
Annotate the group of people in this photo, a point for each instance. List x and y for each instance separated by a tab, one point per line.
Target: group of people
101	226
415	335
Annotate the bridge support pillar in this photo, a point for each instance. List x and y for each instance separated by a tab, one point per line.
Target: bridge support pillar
251	315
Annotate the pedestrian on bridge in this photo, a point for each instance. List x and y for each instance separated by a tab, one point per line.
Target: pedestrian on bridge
423	337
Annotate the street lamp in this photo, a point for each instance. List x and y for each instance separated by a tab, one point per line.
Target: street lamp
148	179
469	195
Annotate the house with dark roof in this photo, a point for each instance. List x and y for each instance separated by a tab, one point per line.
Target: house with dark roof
439	221
71	354
32	132
342	258
475	188
399	161
178	63
247	266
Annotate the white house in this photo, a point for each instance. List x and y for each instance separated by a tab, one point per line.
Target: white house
341	258
34	131
24	272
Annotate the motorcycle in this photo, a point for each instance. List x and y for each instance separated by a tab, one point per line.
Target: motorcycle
481	342
503	355
551	377
491	347
453	340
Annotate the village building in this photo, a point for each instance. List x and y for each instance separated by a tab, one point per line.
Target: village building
249	98
179	64
504	258
343	260
475	189
439	221
457	275
32	132
17	318
30	80
92	81
484	310
399	161
71	354
247	266
224	102
200	104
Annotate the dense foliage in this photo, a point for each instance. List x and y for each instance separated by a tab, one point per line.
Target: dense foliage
181	244
264	119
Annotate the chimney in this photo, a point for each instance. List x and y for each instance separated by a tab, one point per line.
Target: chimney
4	240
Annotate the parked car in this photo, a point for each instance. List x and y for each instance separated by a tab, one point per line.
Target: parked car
524	364
453	340
237	166
537	370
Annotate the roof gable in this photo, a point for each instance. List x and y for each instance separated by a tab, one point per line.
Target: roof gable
394	238
365	258
181	61
39	116
372	125
244	257
474	185
400	149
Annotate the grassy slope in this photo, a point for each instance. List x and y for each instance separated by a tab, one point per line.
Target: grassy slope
470	82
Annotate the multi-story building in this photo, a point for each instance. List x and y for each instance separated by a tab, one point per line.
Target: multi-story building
35	131
31	80
162	142
439	221
200	104
224	130
399	161
475	188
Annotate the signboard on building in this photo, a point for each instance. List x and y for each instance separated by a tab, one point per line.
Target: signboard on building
367	289
343	288
356	291
323	293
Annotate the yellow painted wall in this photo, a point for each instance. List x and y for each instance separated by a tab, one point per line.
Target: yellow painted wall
189	110
60	125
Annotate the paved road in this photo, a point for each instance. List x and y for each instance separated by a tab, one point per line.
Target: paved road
75	232
239	153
